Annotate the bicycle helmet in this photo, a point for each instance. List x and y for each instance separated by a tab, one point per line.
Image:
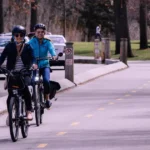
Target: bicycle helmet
39	26
19	29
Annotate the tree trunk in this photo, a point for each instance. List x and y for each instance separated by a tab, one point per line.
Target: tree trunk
122	29
33	20
143	25
117	25
64	20
1	17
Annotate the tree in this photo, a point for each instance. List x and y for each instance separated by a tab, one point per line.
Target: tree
33	20
117	25
95	13
122	29
1	17
143	24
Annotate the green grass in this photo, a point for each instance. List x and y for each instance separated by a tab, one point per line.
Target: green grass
86	49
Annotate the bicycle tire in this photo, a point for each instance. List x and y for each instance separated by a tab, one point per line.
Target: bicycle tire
13	133
42	107
41	95
24	123
37	106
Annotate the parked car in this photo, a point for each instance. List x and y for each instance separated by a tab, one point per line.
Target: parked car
5	38
3	41
59	43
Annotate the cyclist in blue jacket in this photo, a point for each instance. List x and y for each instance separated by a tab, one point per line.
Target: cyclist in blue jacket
41	47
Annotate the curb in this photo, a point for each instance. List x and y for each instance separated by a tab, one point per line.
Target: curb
80	78
97	72
94	61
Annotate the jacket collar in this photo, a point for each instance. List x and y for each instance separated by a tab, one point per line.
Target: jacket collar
43	41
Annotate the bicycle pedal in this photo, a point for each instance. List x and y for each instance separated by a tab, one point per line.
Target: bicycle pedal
25	118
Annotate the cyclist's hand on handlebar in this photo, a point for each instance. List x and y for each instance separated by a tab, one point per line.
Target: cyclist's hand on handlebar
54	57
35	66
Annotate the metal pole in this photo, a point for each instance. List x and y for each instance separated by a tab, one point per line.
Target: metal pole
69	62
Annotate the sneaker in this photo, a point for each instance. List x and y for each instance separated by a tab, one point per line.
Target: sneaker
48	103
7	121
29	115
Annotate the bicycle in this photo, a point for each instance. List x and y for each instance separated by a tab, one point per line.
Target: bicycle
17	108
38	97
40	102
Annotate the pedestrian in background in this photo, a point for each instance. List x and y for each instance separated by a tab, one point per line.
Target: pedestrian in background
98	32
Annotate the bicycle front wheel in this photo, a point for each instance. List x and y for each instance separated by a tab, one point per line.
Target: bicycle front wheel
13	119
37	106
24	122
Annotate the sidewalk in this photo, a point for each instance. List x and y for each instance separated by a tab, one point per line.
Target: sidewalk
82	74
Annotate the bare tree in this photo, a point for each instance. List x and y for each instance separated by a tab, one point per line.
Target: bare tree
117	25
1	17
33	20
143	24
122	29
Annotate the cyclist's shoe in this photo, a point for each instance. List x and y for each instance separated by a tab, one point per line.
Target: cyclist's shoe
48	104
7	121
32	107
29	115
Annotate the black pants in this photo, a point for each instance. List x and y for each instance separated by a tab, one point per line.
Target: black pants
98	36
26	93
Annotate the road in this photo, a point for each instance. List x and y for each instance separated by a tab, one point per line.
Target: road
57	75
109	113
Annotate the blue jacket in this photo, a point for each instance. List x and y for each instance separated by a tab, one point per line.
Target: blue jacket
41	51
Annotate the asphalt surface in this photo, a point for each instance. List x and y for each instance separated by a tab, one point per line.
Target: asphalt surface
109	113
57	75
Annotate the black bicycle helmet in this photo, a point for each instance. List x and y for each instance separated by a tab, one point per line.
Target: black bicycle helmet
39	26
19	29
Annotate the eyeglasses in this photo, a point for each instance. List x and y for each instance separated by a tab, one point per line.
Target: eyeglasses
19	34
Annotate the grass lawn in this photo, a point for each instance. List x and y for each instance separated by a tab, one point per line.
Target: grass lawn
86	49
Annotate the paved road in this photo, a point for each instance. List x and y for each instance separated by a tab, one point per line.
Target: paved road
109	113
57	75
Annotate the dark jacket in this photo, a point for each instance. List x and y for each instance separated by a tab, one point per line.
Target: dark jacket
10	52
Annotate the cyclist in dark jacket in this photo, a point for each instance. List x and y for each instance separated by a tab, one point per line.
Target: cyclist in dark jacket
19	55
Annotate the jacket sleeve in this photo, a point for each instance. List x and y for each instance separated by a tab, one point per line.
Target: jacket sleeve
33	59
51	49
4	54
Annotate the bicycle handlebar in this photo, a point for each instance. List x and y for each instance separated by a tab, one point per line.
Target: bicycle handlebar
47	58
6	71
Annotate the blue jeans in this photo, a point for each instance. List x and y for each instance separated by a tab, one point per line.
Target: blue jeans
45	72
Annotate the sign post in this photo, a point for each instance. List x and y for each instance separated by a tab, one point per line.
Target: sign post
69	62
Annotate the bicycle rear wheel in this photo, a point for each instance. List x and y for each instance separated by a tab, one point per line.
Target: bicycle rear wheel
37	106
13	119
24	122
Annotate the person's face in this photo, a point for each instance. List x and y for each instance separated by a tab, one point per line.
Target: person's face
18	37
39	33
